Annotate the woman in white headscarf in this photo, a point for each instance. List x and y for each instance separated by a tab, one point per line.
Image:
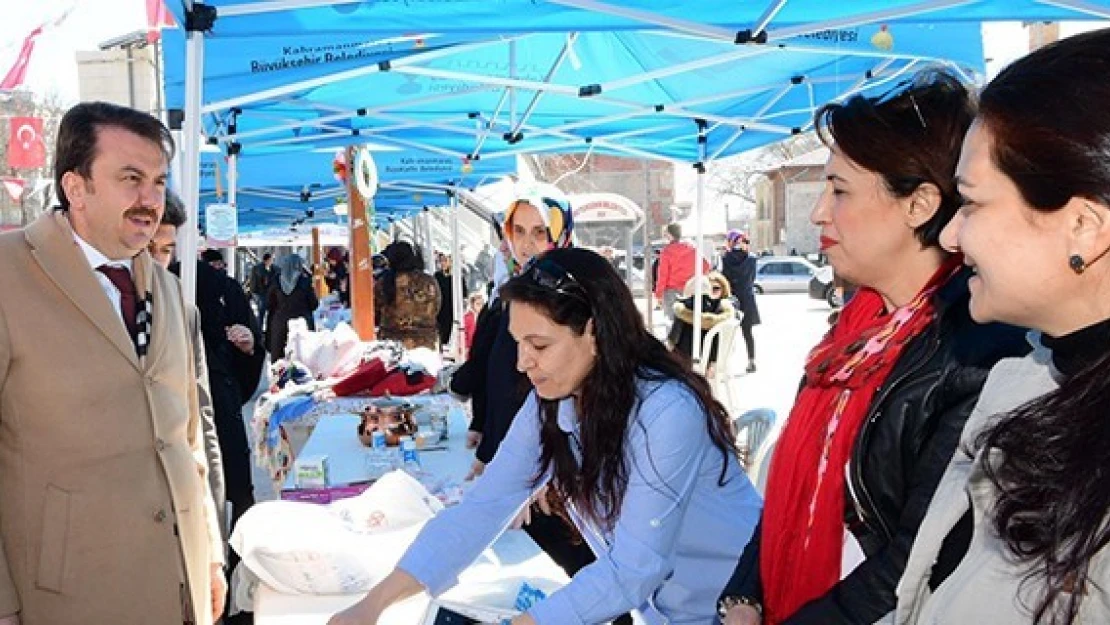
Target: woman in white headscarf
291	297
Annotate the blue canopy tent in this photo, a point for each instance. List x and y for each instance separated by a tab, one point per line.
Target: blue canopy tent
709	18
584	72
632	93
273	53
276	187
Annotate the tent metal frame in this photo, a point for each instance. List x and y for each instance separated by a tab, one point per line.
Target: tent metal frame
413	65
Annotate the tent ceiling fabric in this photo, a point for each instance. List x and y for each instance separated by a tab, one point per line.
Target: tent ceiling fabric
631	93
278	187
721	18
484	80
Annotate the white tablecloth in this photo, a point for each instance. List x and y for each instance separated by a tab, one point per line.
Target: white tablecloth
493	582
336	435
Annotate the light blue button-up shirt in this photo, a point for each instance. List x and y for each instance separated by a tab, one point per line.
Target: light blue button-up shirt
678	538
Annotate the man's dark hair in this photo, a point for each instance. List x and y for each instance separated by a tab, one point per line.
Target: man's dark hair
675	230
267	256
78	131
212	255
174	214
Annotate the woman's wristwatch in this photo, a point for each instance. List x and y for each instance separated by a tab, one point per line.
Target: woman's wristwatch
729	602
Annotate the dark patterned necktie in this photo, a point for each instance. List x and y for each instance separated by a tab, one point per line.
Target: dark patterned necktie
128	304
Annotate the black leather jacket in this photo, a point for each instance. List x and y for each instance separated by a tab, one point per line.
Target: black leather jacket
901	452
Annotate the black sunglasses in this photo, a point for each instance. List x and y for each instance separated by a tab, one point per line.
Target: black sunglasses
550	275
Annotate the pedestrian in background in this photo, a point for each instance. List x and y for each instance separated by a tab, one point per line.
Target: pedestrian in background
291	297
739	266
676	267
262	276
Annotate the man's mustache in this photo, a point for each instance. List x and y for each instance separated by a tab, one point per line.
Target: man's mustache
148	213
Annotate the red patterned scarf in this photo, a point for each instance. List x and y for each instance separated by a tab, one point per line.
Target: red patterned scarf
803	516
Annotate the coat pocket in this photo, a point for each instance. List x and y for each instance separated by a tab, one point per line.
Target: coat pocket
55	536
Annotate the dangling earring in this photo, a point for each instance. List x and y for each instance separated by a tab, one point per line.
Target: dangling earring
1075	261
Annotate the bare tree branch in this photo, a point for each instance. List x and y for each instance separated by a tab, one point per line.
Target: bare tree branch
737	176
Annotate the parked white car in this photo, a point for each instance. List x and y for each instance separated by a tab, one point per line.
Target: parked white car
781	274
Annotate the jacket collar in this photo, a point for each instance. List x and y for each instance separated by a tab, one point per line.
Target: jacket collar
54	247
953	292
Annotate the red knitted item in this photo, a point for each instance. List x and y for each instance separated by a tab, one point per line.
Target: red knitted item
399	383
362	379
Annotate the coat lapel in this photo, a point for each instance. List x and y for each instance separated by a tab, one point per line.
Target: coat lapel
157	286
57	253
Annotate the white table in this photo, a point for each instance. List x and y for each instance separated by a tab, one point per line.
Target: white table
492	581
336	435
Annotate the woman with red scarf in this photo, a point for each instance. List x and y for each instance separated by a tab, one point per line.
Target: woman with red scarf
887	391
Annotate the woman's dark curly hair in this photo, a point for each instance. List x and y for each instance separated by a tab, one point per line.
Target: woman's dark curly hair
1049	132
626	354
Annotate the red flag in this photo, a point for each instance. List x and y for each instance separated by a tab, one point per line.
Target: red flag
26	149
157	17
14	187
18	72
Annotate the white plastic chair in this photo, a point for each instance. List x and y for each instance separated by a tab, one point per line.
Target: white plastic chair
725	333
755	425
761	464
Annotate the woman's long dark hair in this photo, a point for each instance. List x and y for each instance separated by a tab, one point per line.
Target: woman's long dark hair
402	257
626	354
1050	133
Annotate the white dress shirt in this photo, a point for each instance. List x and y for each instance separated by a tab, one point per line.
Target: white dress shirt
96	259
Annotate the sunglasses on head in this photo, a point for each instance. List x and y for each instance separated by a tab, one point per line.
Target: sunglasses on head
550	275
904	89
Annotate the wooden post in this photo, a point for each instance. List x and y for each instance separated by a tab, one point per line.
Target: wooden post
361	269
318	281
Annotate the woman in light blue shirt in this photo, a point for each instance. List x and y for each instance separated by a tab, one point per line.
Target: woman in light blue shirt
626	435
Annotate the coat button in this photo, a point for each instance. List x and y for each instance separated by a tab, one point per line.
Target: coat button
160	445
160	516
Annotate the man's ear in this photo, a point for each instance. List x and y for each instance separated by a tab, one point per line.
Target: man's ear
922	204
75	188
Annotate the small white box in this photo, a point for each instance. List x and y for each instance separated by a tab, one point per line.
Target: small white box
311	471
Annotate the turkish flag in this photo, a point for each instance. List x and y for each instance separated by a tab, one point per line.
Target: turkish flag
157	17
18	72
14	187
26	149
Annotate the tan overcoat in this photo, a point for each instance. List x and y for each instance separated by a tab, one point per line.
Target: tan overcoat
105	515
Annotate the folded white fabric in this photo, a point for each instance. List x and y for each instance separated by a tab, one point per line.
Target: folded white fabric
340	548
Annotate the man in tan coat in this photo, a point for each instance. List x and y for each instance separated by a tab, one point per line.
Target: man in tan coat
105	515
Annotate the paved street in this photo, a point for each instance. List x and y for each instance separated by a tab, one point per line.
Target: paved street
792	324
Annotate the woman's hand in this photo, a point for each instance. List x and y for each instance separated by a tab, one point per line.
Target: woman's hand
476	470
361	613
473	439
396	586
741	614
525	516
